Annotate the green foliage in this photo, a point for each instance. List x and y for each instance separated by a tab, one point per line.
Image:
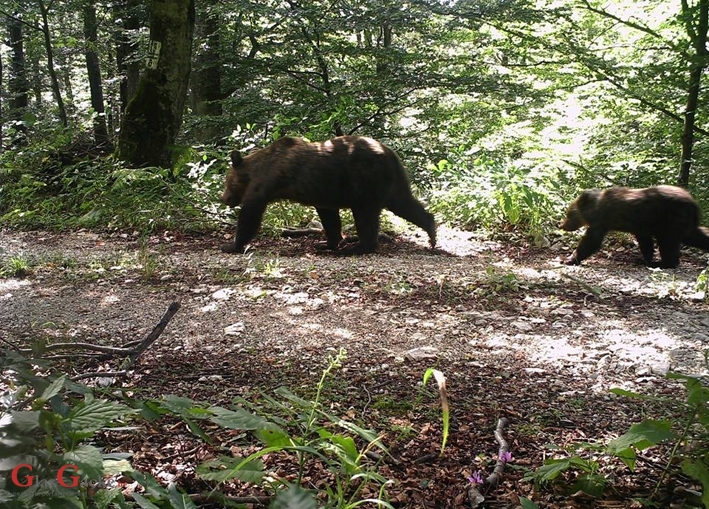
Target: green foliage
303	428
14	266
687	434
46	423
50	192
494	195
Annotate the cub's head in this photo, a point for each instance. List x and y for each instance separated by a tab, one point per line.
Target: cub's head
237	180
580	210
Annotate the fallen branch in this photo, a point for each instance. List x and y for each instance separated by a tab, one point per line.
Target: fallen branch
474	496
155	333
130	354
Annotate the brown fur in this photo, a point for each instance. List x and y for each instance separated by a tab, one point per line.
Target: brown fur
351	172
667	214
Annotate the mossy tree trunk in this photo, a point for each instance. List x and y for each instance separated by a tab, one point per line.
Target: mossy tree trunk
154	114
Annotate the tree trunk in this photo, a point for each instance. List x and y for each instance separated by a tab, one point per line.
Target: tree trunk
698	36
18	85
126	16
206	77
61	110
154	114
94	72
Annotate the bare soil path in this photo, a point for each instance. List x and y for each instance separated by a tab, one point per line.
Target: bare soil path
517	334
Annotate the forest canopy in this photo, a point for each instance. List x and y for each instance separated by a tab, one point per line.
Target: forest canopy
501	110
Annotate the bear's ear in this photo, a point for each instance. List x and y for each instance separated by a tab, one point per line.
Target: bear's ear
588	198
235	157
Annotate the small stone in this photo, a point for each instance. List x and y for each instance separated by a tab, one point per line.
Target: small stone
234	329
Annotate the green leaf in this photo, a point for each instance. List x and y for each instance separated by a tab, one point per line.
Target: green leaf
91	416
592	484
554	467
115	467
183	406
240	419
627	456
226	468
642	435
178	499
144	502
527	504
294	498
697	393
627	394
699	470
88	459
285	393
274	438
53	389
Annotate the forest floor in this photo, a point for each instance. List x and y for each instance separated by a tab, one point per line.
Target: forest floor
516	333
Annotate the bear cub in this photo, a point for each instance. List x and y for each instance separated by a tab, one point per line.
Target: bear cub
666	214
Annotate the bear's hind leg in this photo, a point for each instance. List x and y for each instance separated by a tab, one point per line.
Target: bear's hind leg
669	253
367	224
410	208
647	248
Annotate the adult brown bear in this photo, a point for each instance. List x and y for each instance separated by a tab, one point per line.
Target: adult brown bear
351	172
667	214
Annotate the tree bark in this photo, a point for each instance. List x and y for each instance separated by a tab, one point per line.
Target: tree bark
698	35
207	77
126	15
18	84
56	90
93	69
154	114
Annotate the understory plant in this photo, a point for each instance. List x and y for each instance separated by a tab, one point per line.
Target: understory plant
304	430
47	423
50	457
495	195
685	437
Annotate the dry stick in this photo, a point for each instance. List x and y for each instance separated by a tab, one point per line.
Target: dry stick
84	346
157	330
134	353
474	496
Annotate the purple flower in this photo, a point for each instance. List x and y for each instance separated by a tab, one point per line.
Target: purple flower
476	478
505	456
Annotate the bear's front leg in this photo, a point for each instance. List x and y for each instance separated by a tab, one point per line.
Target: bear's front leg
247	226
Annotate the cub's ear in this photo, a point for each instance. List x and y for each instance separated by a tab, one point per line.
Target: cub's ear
235	157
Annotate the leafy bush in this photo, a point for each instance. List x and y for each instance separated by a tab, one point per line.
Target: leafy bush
687	437
45	427
495	195
303	428
48	425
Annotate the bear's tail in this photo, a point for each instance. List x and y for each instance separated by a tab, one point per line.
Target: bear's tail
699	237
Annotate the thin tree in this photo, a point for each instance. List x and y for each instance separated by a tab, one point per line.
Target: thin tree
154	114
56	90
93	69
206	87
18	84
126	16
697	23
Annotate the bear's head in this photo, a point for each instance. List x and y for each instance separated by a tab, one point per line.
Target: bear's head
580	210
237	180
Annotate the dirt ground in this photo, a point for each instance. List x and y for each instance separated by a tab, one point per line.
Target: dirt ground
517	334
